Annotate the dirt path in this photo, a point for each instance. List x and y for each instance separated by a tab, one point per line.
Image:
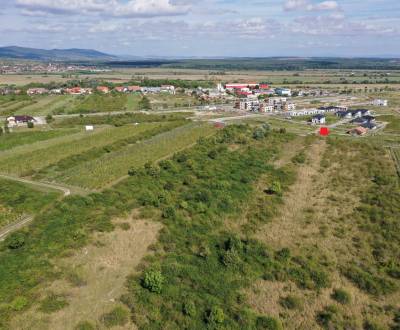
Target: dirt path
64	190
4	232
288	228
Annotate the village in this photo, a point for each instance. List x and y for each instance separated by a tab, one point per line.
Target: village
239	98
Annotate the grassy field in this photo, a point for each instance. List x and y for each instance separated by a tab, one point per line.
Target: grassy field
20	138
29	162
17	200
44	105
109	168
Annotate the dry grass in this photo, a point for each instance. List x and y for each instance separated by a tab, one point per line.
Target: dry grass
315	220
95	277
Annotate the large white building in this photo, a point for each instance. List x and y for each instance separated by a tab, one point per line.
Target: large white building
249	104
380	103
283	91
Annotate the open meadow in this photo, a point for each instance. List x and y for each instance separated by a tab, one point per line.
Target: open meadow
220	219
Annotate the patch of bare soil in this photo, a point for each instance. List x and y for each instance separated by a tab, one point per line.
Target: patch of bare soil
95	277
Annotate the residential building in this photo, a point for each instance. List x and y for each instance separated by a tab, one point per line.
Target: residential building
14	121
265	107
288	106
103	89
249	104
380	103
121	89
134	89
318	119
283	91
37	91
168	89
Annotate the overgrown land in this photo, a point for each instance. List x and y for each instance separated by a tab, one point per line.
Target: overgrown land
260	230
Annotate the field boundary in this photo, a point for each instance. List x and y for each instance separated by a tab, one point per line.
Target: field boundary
64	190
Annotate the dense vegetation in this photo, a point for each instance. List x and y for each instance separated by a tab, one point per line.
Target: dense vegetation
69	223
120	119
287	65
17	199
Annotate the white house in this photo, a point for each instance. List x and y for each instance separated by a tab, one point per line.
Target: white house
19	121
283	91
318	119
380	103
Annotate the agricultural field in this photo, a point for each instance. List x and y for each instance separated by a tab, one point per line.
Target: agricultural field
112	166
26	137
29	162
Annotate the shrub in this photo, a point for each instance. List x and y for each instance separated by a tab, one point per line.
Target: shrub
370	325
15	241
300	158
169	212
268	323
292	302
119	316
153	281
85	325
369	282
275	188
215	315
330	318
53	303
341	296
189	308
19	303
259	134
30	124
132	171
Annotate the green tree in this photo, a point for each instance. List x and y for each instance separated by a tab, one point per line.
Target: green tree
153	280
144	103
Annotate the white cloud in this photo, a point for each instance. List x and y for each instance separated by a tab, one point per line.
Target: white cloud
326	5
291	5
116	8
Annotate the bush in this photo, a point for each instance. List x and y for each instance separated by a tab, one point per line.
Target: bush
153	281
119	316
53	303
19	303
15	241
268	323
275	188
85	325
370	325
215	315
30	124
259	134
292	302
189	308
341	296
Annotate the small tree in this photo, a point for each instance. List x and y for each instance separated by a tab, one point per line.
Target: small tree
275	188
215	315
30	124
153	280
144	103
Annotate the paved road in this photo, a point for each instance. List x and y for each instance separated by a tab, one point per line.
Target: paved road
14	226
64	190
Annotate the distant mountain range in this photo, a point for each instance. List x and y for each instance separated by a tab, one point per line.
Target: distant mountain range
74	54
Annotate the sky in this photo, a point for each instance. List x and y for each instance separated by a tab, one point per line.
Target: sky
206	28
